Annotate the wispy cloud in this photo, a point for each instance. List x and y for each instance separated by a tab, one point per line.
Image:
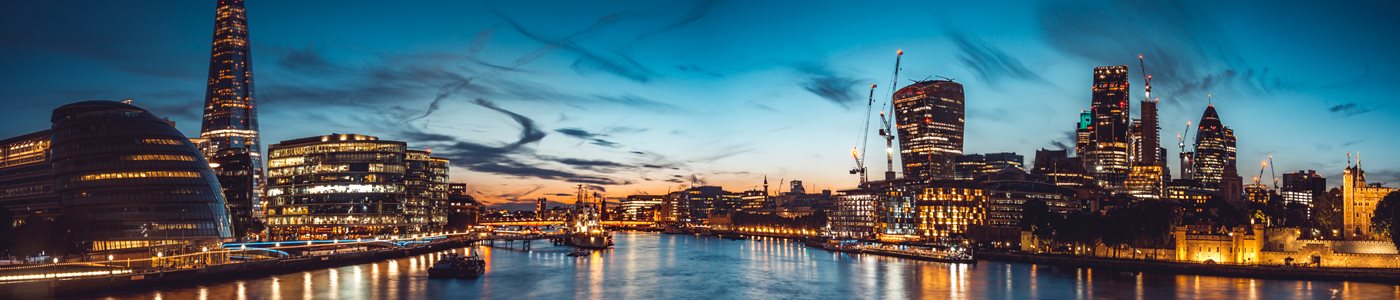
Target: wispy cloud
830	85
1349	109
991	63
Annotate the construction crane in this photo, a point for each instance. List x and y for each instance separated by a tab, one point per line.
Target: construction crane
886	130
1262	164
1146	79
859	156
1272	174
1181	144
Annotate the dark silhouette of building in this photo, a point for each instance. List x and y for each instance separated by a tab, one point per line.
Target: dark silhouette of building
974	166
1107	155
131	180
929	116
1060	169
231	116
463	209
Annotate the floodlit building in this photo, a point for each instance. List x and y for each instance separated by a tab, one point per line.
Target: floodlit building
641	207
1359	201
946	209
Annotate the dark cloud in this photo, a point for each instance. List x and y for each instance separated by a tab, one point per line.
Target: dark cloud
634	101
1185	49
414	135
589	163
587	59
575	132
830	85
1349	109
694	14
990	63
306	60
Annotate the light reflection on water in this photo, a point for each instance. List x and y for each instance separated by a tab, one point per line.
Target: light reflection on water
659	266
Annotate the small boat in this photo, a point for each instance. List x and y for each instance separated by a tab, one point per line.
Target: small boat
729	235
457	266
580	252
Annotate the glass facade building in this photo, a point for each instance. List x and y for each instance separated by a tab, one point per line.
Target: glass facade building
131	180
26	177
1107	152
929	118
230	125
352	186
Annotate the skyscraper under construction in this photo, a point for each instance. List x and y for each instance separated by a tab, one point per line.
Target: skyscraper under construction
229	132
930	121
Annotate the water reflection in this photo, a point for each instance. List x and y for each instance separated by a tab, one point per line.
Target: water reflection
658	266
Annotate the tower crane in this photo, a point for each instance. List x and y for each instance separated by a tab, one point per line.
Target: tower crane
859	156
886	130
1262	165
1272	174
1146	79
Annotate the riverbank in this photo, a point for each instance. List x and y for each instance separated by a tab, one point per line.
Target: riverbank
1389	276
54	288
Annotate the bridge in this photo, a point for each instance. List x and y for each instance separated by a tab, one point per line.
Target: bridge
540	223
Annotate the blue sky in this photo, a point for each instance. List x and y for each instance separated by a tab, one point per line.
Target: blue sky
530	99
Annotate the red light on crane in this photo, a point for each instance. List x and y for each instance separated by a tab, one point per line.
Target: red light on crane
899	52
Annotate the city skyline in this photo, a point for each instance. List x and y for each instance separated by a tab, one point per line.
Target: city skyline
527	105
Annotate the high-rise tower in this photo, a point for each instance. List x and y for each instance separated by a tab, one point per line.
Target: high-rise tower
1214	163
1107	155
929	117
230	127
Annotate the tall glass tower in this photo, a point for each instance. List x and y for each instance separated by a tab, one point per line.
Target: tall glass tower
230	127
1108	150
929	118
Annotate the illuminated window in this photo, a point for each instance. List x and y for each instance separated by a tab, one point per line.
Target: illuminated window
144	174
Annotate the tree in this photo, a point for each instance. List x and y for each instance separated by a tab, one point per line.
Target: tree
1037	218
6	231
1383	220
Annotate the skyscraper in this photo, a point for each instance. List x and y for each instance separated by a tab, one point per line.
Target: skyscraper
1215	156
230	127
1081	133
1211	156
1107	154
929	116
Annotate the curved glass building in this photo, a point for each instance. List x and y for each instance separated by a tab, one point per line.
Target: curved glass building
131	180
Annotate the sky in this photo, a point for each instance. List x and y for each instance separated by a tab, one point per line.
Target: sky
532	98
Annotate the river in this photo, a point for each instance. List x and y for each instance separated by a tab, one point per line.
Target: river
662	266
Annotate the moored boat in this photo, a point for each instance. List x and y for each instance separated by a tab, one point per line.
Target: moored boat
454	265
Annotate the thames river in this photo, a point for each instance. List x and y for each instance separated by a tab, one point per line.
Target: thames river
661	266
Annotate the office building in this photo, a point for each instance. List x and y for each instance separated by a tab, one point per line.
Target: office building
974	166
348	186
929	116
1107	155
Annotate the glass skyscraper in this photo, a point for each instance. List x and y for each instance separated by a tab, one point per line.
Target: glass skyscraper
929	116
230	128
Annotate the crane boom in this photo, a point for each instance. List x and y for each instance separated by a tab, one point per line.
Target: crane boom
1272	174
1146	79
